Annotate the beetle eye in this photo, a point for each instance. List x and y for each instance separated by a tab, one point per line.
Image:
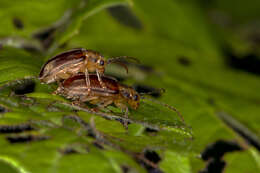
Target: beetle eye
135	97
101	62
126	94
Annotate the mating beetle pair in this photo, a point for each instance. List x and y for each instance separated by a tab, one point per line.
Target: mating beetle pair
73	68
72	71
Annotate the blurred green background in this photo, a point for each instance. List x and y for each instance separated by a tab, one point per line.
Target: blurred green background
205	54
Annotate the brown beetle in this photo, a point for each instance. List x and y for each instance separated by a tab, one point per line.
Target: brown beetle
120	95
114	93
76	61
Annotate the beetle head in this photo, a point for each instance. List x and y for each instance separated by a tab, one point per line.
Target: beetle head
130	95
95	62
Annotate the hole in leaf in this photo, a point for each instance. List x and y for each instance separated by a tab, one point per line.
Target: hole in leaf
125	16
151	131
27	87
148	90
147	129
219	148
152	156
25	138
249	63
150	161
214	166
184	61
15	128
18	23
213	155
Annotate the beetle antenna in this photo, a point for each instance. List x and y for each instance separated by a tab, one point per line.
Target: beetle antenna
122	58
167	106
156	91
120	63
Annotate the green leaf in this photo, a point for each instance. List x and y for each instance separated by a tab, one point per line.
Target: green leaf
17	64
175	163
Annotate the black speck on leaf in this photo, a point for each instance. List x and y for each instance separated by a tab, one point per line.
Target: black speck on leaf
184	61
18	23
152	156
249	63
25	138
25	88
219	148
214	166
15	128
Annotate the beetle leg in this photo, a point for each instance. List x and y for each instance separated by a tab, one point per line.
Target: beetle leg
100	80
126	116
105	103
76	103
124	109
59	90
87	76
87	80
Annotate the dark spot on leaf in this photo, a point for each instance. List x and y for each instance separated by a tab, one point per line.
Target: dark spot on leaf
152	160
211	101
25	138
219	148
125	169
24	88
145	89
249	63
46	36
1	46
15	128
98	145
213	155
63	46
150	130
125	16
155	170
214	166
184	61
68	150
30	48
18	23
2	110
254	37
152	156
145	68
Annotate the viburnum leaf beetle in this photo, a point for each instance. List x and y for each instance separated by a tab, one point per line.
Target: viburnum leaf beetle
120	95
75	61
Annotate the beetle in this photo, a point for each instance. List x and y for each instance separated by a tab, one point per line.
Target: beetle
70	63
120	95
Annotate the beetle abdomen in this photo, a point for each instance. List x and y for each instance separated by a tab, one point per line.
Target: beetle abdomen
67	62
